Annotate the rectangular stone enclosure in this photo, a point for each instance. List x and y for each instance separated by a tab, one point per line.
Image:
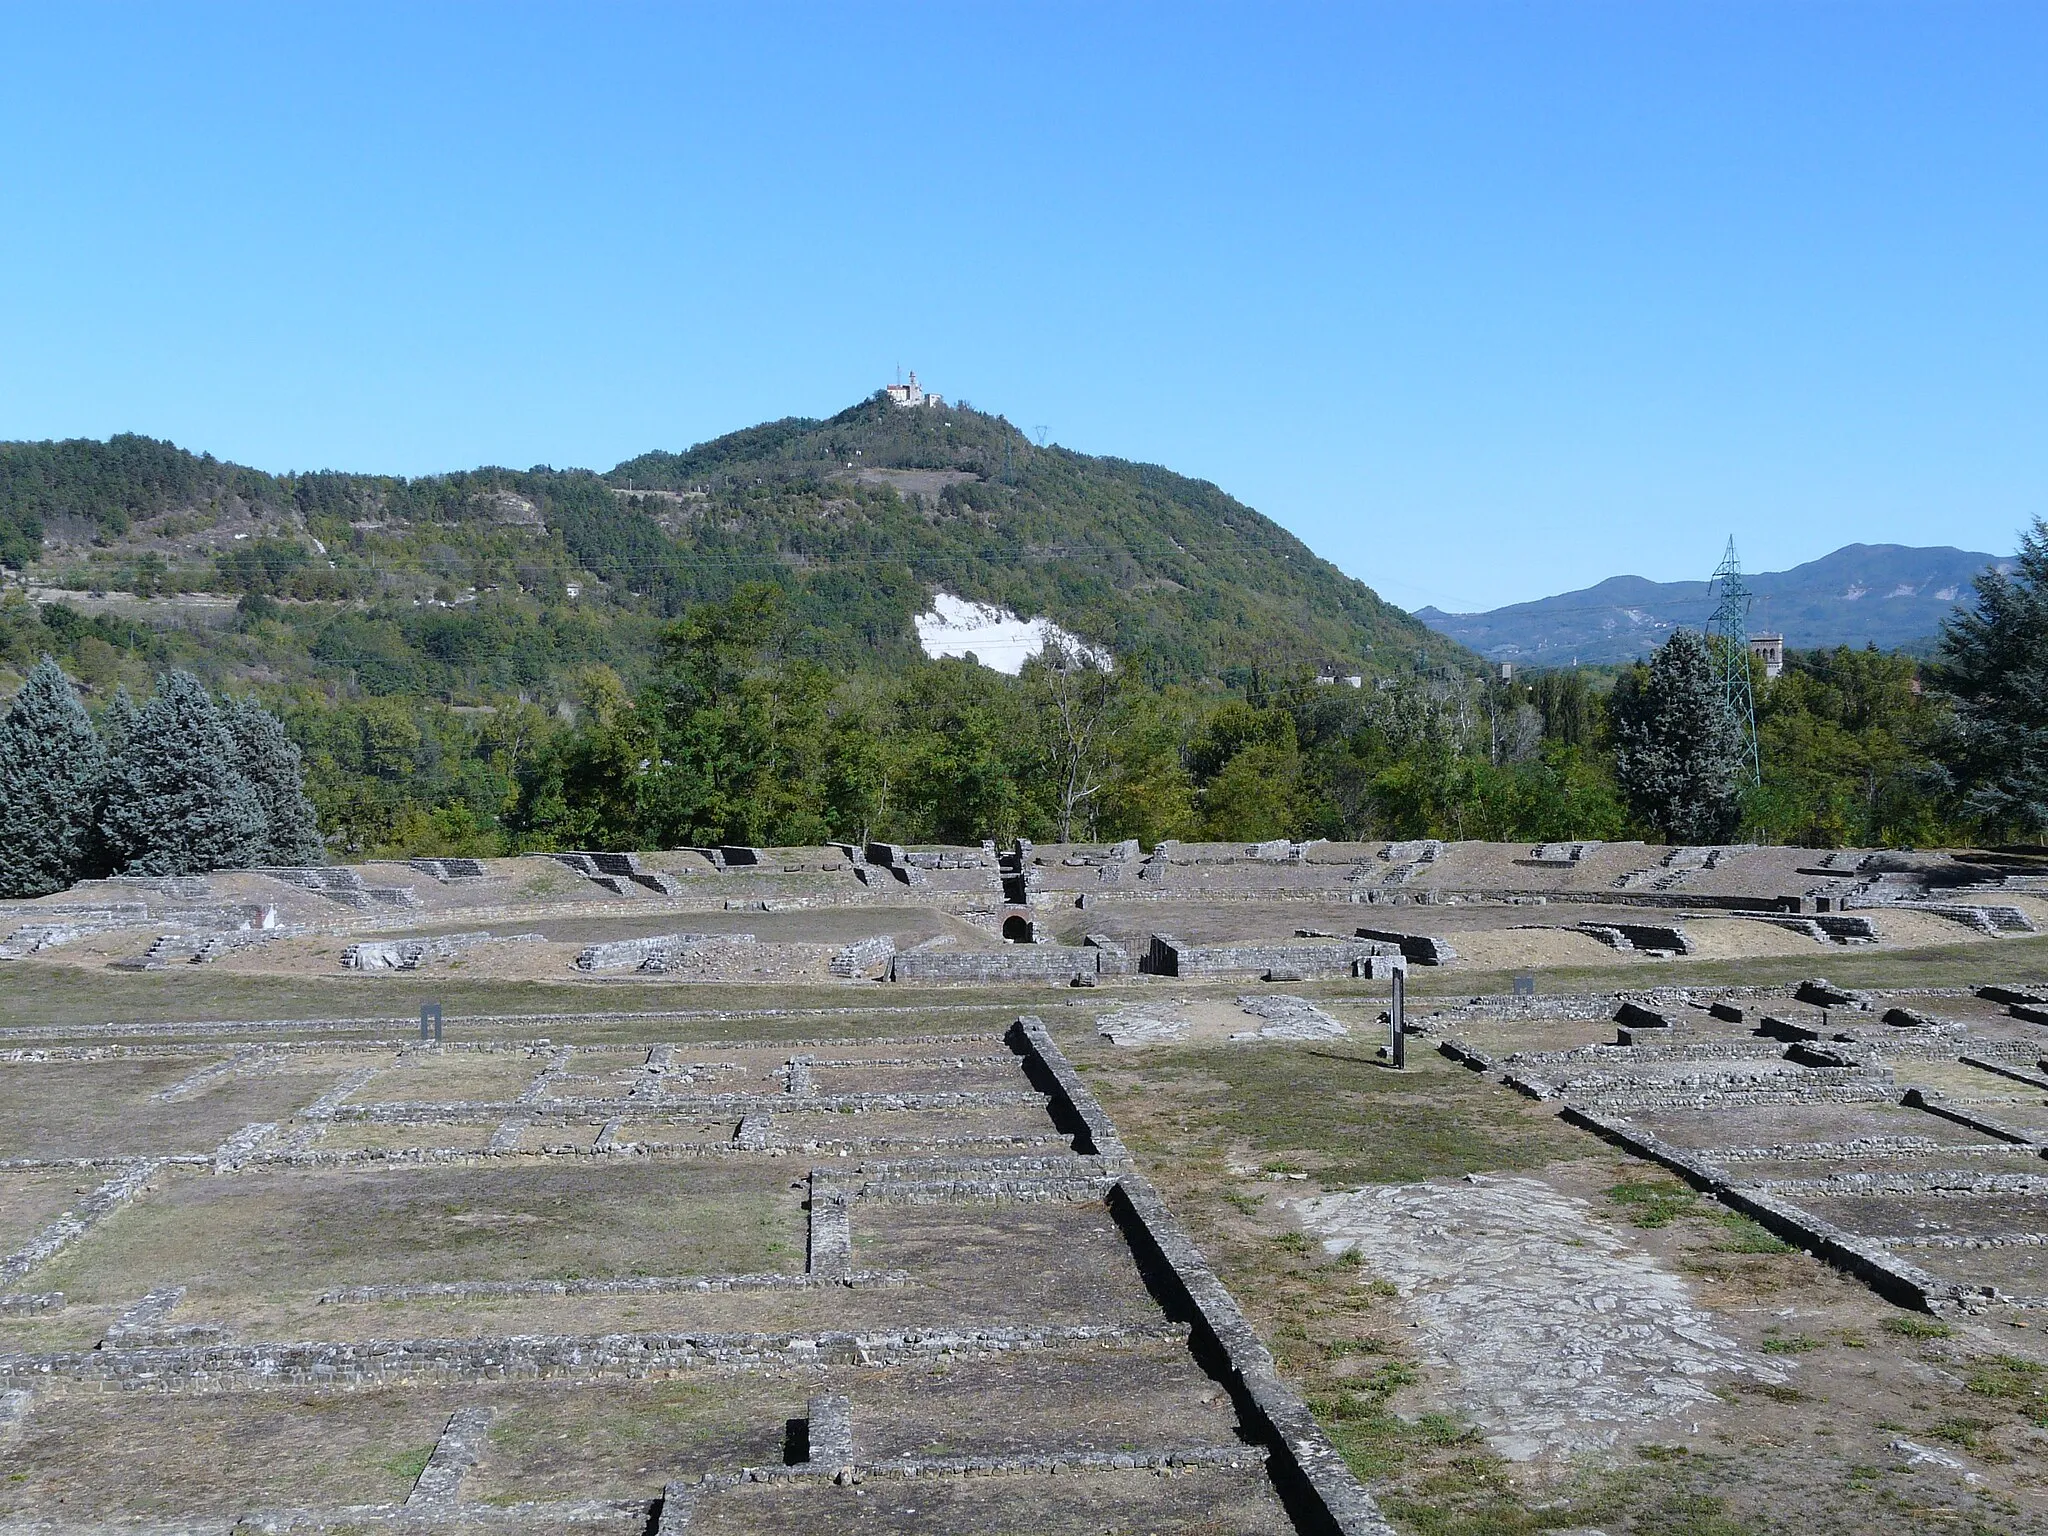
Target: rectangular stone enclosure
310	1284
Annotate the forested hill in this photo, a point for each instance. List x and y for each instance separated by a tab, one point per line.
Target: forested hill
880	505
474	583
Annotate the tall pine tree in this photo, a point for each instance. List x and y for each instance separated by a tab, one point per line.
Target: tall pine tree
50	765
275	771
1993	663
176	803
1677	749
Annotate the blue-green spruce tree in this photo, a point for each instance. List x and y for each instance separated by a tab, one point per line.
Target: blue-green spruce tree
274	769
175	801
50	766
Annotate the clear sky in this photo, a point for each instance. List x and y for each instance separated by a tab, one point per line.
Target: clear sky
1482	301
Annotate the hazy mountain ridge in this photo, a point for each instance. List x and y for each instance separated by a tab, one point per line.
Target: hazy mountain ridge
1889	595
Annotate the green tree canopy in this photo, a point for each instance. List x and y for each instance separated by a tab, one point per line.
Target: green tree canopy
1677	750
1994	664
175	801
275	771
50	766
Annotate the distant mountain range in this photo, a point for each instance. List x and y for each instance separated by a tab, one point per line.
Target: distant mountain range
1889	595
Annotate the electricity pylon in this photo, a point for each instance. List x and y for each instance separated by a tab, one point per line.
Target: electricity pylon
1730	621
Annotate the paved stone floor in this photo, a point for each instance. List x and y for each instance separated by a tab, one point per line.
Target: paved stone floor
1559	1336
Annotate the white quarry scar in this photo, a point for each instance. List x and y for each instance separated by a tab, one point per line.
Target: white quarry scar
996	637
1561	1337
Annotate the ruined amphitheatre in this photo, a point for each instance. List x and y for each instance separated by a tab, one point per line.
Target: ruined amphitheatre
1033	1189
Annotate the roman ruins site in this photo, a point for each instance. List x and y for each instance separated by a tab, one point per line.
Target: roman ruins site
1078	1189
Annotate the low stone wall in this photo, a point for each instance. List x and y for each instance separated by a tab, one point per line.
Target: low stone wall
1299	961
639	1285
227	1367
409	954
864	957
622	954
109	1197
1319	1489
1934	1104
1050	963
1417	948
1885	1273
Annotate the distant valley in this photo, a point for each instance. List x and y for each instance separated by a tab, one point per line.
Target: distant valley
1888	595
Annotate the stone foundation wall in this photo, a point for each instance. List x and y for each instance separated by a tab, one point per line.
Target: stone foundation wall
1418	948
227	1367
1320	1490
1051	963
1168	956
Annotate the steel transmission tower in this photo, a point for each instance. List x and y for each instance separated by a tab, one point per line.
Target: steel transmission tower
1730	621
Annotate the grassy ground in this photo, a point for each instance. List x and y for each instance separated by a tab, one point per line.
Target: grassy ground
1214	1126
2010	961
46	996
64	994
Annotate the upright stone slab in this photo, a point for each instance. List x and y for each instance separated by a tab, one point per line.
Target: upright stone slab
829	1425
831	1242
454	1456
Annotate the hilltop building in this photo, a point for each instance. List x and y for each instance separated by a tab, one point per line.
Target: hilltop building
909	395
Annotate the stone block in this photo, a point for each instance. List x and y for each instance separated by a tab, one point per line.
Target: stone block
1818	992
864	957
829	1434
1113	959
1636	1016
1417	948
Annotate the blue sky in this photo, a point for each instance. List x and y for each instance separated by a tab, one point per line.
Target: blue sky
1482	301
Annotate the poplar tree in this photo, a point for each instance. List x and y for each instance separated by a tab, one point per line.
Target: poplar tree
50	766
1677	749
176	803
274	769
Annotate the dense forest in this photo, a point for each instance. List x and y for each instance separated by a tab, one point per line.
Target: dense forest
716	646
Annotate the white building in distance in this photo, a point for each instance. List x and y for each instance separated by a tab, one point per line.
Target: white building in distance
909	395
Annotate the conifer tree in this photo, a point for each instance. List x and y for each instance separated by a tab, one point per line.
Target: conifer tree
1677	750
50	765
1993	663
116	725
176	803
274	769
117	721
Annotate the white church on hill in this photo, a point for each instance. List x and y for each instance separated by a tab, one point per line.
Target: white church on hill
910	395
